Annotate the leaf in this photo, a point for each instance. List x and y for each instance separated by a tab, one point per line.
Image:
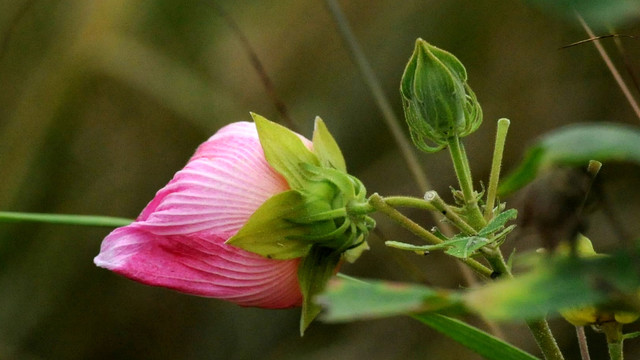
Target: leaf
498	222
560	283
478	341
270	234
326	148
346	300
353	299
315	270
284	151
603	13
575	145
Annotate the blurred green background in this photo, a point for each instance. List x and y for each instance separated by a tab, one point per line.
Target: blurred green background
102	101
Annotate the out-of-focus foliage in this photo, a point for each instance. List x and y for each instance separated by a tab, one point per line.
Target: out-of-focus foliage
576	145
102	101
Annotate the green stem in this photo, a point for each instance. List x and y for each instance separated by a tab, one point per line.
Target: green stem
613	332
380	205
410	202
539	327
496	164
463	173
83	220
546	342
436	201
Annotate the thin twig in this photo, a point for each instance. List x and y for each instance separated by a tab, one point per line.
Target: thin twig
281	107
612	68
582	342
596	38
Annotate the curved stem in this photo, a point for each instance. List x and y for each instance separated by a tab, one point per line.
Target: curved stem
380	205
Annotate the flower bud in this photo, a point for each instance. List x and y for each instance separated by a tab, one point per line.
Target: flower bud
438	103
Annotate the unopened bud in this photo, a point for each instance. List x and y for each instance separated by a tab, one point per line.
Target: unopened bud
438	103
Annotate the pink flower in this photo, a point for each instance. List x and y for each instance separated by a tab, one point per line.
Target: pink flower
178	241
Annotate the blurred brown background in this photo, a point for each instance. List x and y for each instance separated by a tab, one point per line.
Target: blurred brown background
101	102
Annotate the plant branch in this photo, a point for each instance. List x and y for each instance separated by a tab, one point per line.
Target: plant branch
64	219
379	204
496	164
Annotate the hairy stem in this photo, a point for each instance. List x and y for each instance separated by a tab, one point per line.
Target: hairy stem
496	164
379	204
461	167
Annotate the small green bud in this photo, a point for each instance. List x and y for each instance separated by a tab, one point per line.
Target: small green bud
438	103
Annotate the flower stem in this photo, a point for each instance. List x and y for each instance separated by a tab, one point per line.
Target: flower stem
410	202
546	342
463	173
582	342
380	205
539	327
613	332
83	220
496	164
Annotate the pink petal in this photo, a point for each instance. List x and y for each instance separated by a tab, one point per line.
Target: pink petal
178	240
201	266
225	181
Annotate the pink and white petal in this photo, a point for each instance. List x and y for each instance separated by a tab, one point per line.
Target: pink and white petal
201	266
219	189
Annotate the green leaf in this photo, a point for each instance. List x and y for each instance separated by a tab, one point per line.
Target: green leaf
600	13
346	300
326	148
575	145
487	346
560	283
64	219
269	232
315	270
284	151
498	222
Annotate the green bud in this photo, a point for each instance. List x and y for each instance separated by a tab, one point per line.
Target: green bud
438	103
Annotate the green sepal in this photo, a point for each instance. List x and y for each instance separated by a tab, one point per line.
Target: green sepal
284	151
326	148
314	272
269	231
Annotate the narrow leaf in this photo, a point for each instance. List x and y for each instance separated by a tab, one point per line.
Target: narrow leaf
478	341
346	300
575	145
64	219
498	222
284	151
326	147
